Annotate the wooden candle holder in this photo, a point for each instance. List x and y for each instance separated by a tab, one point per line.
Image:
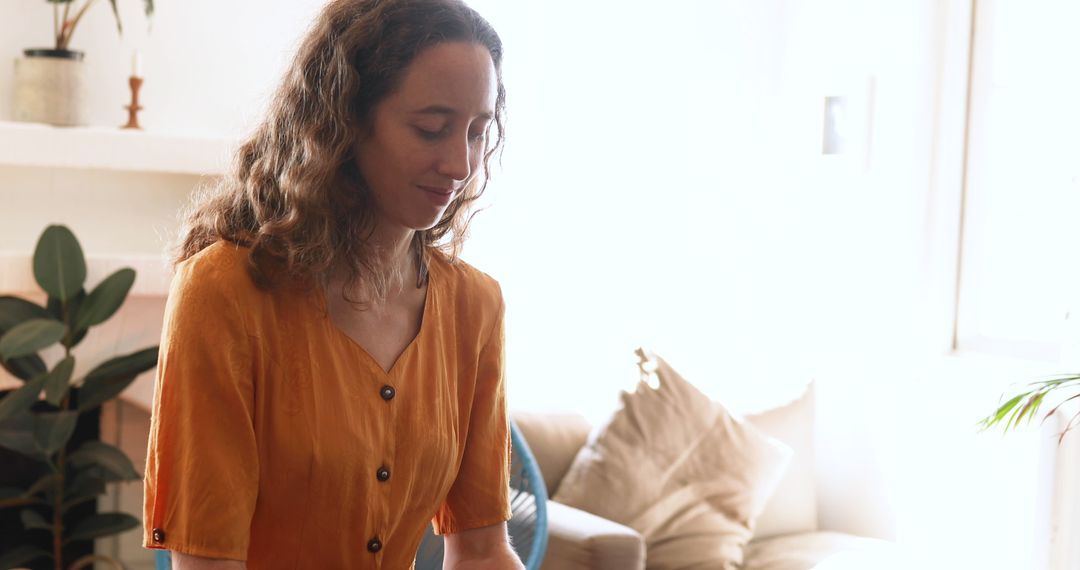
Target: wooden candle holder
134	107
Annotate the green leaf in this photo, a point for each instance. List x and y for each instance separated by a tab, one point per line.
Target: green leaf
20	400
1032	407
102	524
30	337
14	310
59	265
74	306
1002	411
112	376
116	16
45	484
33	520
113	461
17	434
25	367
53	430
76	501
105	299
21	556
1008	406
77	338
57	381
88	482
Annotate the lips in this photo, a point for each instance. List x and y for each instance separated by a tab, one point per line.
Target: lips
438	190
439	196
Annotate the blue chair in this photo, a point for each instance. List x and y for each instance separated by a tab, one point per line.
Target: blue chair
528	502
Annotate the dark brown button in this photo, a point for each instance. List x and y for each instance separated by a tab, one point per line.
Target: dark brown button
159	536
387	393
374	545
382	474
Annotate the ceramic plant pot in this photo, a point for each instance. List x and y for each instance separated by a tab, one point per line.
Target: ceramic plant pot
49	87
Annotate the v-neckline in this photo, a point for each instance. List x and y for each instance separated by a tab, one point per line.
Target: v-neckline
425	316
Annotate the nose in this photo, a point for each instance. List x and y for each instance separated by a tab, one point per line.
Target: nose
456	160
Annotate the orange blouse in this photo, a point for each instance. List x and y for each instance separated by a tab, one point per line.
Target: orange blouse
276	439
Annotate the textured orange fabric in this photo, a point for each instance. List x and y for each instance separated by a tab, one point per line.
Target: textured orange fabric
269	424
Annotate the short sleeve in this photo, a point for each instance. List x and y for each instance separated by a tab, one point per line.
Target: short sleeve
202	466
479	496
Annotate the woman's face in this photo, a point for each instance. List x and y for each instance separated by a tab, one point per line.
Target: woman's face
426	139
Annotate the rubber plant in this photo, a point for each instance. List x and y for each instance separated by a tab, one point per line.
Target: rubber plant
67	18
40	431
1025	405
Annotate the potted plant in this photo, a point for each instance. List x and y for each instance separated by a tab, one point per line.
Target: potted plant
1025	405
49	81
55	502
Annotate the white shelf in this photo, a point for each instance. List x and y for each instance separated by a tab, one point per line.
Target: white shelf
104	148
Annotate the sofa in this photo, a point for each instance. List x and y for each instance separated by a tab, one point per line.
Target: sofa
786	534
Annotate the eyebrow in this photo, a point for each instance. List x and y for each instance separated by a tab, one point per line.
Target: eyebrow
446	111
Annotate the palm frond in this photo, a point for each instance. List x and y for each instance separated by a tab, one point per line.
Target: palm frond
1025	405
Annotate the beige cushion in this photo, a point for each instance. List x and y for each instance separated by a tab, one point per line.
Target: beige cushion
793	505
578	540
679	469
823	551
554	440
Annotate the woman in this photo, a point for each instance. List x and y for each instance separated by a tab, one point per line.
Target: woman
331	377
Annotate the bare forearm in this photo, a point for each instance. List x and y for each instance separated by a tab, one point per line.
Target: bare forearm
500	561
486	548
181	561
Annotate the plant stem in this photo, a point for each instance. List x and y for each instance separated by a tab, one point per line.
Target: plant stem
58	520
78	17
58	506
65	34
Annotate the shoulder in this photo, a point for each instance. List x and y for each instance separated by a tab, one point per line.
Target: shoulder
472	292
220	270
463	278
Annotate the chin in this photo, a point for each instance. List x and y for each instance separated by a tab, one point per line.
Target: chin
428	222
423	225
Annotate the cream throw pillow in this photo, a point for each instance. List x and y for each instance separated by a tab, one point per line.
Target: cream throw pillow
675	466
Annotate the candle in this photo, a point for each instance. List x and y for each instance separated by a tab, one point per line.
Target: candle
136	64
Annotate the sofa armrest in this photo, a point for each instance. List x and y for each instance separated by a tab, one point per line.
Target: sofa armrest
581	540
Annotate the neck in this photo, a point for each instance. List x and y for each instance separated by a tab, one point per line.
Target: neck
394	249
393	253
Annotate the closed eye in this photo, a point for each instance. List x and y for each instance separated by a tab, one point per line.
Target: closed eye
429	134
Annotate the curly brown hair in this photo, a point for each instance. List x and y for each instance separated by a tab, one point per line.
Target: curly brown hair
294	194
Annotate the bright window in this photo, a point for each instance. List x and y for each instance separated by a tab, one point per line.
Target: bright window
1020	270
